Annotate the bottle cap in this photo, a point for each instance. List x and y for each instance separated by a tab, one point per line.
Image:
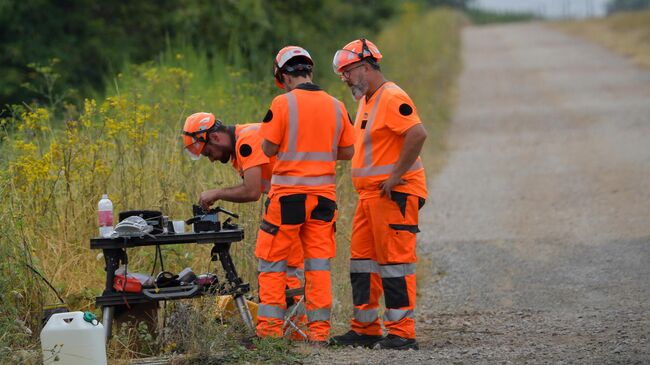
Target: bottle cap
91	318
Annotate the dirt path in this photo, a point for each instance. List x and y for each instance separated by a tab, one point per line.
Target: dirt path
537	231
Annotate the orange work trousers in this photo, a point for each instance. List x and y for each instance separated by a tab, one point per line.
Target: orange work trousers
382	261
290	218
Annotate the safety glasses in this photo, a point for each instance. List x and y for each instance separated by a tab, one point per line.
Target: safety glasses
195	141
344	57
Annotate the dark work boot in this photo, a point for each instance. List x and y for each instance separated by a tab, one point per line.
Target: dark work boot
354	339
392	342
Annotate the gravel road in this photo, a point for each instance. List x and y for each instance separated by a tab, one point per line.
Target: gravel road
537	230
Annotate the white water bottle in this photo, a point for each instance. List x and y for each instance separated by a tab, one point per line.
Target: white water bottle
105	215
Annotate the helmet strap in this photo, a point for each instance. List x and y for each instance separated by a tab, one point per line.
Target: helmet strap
364	48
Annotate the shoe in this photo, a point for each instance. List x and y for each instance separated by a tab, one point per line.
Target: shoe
392	342
354	339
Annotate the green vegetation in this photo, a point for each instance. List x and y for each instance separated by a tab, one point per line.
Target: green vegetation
92	40
59	157
626	33
482	17
615	6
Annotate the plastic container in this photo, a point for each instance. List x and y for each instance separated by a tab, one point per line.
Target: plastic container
73	338
105	216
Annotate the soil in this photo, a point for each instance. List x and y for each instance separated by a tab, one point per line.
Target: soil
536	234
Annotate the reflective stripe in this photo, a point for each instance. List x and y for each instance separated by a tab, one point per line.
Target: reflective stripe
271	266
293	122
307	156
317	265
339	117
394	315
363	266
396	271
270	311
303	180
367	142
250	128
366	315
291	154
266	185
383	169
322	314
295	272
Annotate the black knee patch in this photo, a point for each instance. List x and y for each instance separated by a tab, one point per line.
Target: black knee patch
360	287
292	209
395	293
325	209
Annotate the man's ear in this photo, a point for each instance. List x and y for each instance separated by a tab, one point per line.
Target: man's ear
213	137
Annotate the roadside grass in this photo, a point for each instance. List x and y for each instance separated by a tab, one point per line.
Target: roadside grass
627	33
54	172
483	17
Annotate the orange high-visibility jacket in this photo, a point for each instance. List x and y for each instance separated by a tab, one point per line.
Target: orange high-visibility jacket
380	125
309	126
248	153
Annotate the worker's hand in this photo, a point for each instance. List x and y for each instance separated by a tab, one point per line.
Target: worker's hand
207	198
387	185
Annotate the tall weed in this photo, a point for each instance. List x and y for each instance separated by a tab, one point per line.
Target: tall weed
128	146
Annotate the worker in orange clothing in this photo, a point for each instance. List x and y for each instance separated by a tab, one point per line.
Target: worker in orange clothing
388	175
242	146
307	130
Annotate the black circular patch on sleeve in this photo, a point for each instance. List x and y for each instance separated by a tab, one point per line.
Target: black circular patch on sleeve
245	150
405	109
268	116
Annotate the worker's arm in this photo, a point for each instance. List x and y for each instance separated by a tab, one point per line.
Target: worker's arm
345	153
414	139
270	149
248	191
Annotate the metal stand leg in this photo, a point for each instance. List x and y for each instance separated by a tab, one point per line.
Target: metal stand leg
107	319
244	312
238	288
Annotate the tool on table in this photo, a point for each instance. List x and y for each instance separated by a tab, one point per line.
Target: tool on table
208	221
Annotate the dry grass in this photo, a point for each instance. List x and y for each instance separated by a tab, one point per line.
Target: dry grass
626	33
128	146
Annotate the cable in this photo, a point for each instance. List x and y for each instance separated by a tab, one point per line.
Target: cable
46	282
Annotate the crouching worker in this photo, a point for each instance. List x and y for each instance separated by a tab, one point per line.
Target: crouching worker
241	145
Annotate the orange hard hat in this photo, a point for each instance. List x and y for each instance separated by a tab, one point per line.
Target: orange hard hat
195	132
283	56
355	51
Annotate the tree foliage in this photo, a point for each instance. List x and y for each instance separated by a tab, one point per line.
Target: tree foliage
627	5
93	39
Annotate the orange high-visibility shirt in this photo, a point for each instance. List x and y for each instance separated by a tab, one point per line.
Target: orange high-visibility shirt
248	153
309	126
380	125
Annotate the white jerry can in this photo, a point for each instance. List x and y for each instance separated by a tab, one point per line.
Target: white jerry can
73	339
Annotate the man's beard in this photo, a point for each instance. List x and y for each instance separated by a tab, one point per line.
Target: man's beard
225	157
359	89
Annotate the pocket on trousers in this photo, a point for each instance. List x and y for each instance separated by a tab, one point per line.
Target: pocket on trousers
324	210
269	228
266	205
292	208
400	243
